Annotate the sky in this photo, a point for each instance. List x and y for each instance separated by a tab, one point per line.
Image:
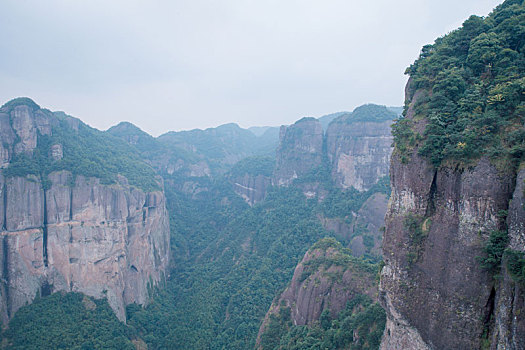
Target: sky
185	64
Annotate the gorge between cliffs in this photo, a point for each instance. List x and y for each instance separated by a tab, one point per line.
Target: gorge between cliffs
381	228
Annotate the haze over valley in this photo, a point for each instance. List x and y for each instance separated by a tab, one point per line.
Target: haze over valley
326	210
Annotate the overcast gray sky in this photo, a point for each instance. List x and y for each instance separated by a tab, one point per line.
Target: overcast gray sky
174	65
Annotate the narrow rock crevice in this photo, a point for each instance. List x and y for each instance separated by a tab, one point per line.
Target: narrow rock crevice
44	231
489	314
71	204
5	272
46	289
4	195
431	206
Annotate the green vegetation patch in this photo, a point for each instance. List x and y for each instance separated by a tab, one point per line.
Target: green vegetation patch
341	203
67	321
86	151
340	256
516	265
371	113
257	165
231	262
20	101
417	232
474	79
361	316
493	250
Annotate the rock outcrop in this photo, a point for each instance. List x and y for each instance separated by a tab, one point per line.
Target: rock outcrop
436	293
300	150
359	148
509	328
327	278
362	230
65	232
252	188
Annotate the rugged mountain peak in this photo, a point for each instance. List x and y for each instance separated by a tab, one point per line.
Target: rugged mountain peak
20	101
359	145
300	150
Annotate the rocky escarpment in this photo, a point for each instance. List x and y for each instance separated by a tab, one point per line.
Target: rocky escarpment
355	150
509	302
454	240
251	178
359	145
325	281
300	150
252	188
434	288
362	230
62	231
435	229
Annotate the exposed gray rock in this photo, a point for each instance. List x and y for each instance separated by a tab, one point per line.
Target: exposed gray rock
359	152
73	233
433	287
509	327
300	150
102	240
56	152
251	188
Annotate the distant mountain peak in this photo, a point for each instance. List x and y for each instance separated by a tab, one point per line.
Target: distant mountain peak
21	101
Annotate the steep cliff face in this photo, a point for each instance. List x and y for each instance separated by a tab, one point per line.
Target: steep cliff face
435	228
252	188
325	281
363	230
65	232
251	178
454	240
300	150
320	282
509	323
359	145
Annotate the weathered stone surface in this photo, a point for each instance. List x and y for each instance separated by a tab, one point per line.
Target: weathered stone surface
369	220
371	217
104	241
433	287
251	188
308	297
359	152
445	294
24	126
24	204
300	150
73	233
56	152
509	332
7	139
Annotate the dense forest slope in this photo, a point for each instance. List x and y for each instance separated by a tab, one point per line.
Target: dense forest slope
80	212
454	240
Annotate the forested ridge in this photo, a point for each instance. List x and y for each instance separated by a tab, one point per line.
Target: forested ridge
470	88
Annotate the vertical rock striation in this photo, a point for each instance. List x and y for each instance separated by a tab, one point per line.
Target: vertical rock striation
433	287
300	150
359	148
63	232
